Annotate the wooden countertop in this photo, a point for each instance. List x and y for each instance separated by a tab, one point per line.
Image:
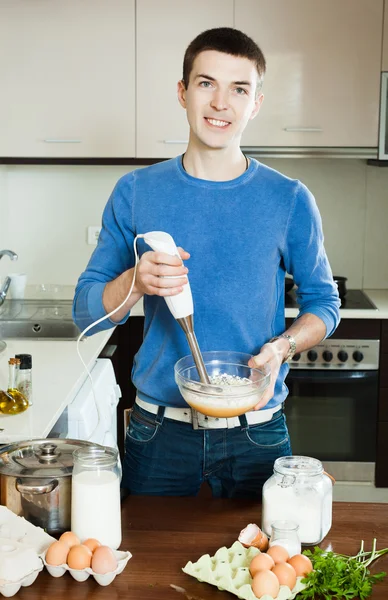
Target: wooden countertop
163	534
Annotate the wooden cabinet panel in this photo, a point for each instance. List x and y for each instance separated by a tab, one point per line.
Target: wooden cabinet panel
317	53
128	337
67	72
163	32
382	456
383	404
384	371
385	39
384	337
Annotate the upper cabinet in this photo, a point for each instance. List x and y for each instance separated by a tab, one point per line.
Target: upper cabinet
67	71
322	86
385	39
164	29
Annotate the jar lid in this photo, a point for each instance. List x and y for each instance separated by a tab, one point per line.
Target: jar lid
40	458
25	361
95	457
298	465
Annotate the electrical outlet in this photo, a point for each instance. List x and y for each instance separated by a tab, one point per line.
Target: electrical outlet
93	234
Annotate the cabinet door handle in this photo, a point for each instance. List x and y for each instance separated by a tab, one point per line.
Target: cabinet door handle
303	129
175	142
59	141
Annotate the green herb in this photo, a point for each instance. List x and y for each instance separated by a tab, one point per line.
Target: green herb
340	576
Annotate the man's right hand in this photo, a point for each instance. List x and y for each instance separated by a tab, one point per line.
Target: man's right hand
154	271
152	274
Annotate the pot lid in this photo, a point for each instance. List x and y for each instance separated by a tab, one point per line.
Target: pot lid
40	458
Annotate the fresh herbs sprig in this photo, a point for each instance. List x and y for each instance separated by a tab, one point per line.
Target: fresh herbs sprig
340	576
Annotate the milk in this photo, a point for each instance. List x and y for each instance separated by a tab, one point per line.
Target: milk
95	507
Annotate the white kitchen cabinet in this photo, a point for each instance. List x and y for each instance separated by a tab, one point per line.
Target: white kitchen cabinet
163	31
385	39
323	71
67	72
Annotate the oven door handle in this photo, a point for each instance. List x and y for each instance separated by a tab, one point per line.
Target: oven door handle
332	376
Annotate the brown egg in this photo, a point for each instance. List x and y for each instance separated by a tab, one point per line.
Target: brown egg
103	560
57	553
70	539
285	574
79	557
91	543
261	562
301	564
265	582
278	553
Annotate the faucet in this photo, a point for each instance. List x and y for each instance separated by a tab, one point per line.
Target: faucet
7	281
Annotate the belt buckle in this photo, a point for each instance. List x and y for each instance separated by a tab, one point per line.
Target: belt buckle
194	418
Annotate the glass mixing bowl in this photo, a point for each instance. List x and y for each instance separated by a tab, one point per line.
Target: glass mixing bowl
217	400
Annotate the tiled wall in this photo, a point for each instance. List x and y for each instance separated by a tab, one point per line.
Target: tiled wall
45	211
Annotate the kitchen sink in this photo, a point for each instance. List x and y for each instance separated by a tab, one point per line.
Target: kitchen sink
37	319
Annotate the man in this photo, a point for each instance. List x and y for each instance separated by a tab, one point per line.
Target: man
245	226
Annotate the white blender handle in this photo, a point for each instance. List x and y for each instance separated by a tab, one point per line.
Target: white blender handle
180	305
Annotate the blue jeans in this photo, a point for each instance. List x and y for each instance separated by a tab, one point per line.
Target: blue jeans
169	458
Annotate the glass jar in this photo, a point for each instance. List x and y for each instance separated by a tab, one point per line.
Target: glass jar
285	533
95	495
299	490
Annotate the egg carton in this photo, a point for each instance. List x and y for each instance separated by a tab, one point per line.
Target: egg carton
228	570
18	529
10	588
83	574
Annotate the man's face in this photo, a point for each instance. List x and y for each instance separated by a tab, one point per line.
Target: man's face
220	99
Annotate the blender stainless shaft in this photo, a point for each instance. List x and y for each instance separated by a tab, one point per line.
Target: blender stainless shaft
187	325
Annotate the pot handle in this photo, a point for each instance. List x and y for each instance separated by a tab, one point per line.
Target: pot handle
45	488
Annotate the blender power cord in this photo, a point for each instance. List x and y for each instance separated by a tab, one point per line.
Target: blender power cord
89	327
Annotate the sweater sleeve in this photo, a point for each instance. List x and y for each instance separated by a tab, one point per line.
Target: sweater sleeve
113	255
305	258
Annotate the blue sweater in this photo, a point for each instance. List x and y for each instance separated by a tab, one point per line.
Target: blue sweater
243	235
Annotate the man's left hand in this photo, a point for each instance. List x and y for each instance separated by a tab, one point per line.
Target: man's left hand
271	354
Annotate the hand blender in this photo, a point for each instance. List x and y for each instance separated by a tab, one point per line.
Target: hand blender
181	305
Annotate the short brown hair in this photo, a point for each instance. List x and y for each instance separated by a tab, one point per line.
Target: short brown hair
226	40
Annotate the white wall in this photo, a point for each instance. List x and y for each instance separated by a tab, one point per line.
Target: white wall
45	211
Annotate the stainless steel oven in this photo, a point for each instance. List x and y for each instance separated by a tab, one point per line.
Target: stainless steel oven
332	407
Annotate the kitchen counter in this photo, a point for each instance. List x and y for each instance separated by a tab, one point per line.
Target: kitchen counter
163	534
378	297
57	375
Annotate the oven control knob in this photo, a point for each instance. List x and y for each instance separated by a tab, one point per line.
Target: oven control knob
312	355
327	356
296	356
342	356
358	356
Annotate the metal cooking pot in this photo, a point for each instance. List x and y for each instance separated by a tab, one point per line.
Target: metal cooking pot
341	284
35	481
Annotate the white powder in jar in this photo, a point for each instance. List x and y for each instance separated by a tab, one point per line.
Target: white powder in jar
307	506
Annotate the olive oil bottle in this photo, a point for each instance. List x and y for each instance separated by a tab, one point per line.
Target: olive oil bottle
12	402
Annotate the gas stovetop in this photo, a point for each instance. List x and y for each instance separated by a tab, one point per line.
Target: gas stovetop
354	300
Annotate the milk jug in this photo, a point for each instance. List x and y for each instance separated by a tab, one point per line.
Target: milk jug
95	495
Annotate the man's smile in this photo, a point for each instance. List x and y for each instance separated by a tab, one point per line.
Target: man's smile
217	122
